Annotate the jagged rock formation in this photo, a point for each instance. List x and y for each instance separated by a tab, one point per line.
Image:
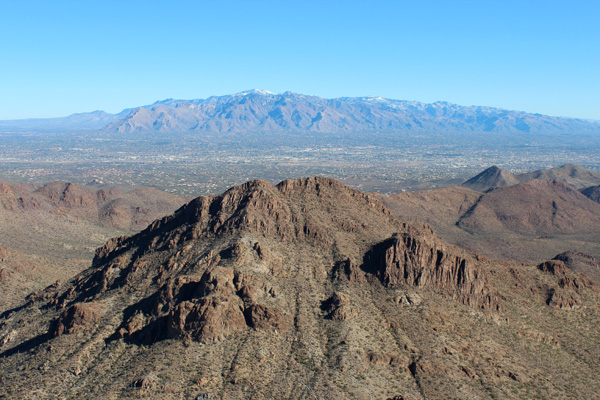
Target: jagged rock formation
224	300
75	319
304	289
417	260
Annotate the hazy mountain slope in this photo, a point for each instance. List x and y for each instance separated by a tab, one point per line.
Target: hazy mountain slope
573	175
491	177
76	122
308	289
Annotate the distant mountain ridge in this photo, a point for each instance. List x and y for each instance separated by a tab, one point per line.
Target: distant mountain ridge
262	111
75	122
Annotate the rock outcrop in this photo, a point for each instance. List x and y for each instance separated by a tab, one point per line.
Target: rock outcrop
581	262
76	318
338	307
413	259
566	292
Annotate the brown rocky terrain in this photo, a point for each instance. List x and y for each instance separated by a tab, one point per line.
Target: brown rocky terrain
21	274
50	232
126	210
307	289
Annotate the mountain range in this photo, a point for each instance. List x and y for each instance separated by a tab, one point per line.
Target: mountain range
260	111
304	290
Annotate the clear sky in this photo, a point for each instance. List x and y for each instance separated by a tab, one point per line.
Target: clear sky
61	57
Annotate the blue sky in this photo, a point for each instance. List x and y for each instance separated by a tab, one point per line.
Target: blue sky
62	57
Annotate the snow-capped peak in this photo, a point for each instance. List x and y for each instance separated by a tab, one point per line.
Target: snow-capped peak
254	91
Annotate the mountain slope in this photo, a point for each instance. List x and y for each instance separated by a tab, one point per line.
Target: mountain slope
537	206
22	273
113	208
574	175
76	122
580	262
592	192
307	289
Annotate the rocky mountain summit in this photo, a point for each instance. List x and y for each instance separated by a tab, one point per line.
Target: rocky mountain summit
307	289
